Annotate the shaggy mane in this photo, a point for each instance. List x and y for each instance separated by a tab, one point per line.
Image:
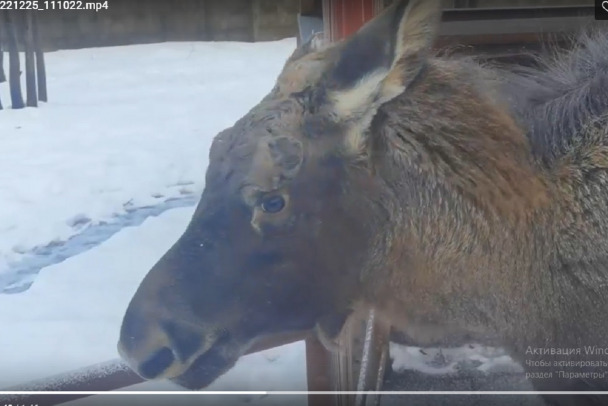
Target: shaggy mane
557	99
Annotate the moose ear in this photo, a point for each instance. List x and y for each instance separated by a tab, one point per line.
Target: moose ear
378	62
315	43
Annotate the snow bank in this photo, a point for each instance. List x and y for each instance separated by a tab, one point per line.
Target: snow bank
125	126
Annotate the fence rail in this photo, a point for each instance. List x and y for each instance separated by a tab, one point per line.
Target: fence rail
106	376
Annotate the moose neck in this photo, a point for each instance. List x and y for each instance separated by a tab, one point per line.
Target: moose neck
467	203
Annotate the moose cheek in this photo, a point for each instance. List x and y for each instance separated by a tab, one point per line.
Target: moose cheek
265	259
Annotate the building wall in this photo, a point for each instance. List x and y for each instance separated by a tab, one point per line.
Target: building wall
133	21
147	21
274	19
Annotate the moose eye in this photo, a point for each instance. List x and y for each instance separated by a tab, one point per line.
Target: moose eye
273	204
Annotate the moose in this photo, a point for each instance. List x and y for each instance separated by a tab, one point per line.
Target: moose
455	198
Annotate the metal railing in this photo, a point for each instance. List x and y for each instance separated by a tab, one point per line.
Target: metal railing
107	376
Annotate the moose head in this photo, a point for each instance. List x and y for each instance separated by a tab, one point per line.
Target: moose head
294	218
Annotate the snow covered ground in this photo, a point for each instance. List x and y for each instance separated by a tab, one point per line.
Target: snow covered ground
126	127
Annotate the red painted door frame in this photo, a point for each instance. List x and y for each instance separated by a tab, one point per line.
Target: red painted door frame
344	17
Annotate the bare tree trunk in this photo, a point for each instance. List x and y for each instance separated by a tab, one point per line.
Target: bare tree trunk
2	75
40	68
14	64
30	68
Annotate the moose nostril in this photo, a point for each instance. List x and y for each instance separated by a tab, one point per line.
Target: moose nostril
185	340
157	363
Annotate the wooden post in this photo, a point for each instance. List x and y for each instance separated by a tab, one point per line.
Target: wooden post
344	365
343	17
360	363
318	372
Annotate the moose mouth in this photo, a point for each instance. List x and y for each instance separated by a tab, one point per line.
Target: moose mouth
209	366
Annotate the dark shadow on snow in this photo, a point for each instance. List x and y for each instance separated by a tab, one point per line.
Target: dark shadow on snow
22	274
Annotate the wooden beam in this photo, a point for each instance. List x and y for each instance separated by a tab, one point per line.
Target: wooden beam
537	26
318	372
499	25
515	13
360	363
344	369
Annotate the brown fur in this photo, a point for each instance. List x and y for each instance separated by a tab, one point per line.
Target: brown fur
409	185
